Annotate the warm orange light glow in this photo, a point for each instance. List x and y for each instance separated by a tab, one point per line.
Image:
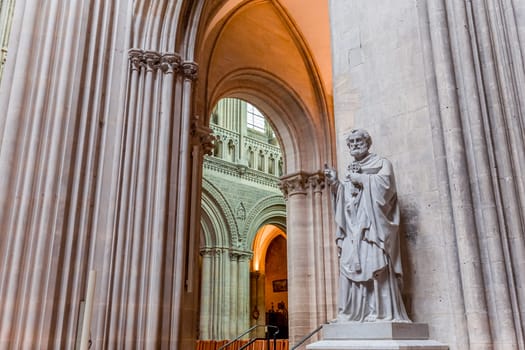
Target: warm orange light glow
264	237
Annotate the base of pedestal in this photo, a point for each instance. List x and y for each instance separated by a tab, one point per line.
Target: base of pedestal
376	336
380	344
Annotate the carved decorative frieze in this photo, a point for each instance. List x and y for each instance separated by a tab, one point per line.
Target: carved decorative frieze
222	166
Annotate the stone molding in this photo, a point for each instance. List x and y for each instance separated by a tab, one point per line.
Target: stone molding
301	182
167	62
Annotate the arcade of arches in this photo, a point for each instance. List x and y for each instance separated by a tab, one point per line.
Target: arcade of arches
111	229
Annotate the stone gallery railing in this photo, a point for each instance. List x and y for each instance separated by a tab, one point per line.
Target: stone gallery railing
247	152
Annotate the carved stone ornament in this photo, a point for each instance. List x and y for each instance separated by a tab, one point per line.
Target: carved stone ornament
136	57
190	70
168	63
294	184
202	136
152	60
301	182
317	182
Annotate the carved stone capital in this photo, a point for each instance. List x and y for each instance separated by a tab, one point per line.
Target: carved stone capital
203	136
301	182
190	70
316	181
170	63
240	255
136	58
152	60
294	184
208	251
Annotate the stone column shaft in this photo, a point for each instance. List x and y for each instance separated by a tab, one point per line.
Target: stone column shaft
243	302
206	296
234	301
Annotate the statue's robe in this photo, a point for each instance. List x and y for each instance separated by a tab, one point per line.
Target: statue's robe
367	219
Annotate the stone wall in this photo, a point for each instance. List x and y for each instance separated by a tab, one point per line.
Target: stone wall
380	86
423	78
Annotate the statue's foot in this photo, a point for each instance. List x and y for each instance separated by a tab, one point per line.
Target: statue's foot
371	318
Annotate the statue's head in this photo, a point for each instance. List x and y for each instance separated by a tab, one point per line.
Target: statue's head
359	142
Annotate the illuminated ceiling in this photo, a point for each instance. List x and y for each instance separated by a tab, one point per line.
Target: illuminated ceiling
289	39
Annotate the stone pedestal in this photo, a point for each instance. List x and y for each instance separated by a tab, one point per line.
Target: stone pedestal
377	336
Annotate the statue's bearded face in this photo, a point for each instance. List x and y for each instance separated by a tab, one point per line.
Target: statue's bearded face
357	145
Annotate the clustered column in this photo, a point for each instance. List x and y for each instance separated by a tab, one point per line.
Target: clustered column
311	253
476	70
224	306
151	245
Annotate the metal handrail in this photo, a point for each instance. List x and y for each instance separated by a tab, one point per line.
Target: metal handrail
248	331
307	337
248	344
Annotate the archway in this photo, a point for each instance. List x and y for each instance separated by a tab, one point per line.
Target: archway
276	70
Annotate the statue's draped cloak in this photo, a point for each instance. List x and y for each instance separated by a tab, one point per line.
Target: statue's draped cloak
367	223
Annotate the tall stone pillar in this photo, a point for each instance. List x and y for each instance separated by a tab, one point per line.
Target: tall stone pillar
54	126
310	258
